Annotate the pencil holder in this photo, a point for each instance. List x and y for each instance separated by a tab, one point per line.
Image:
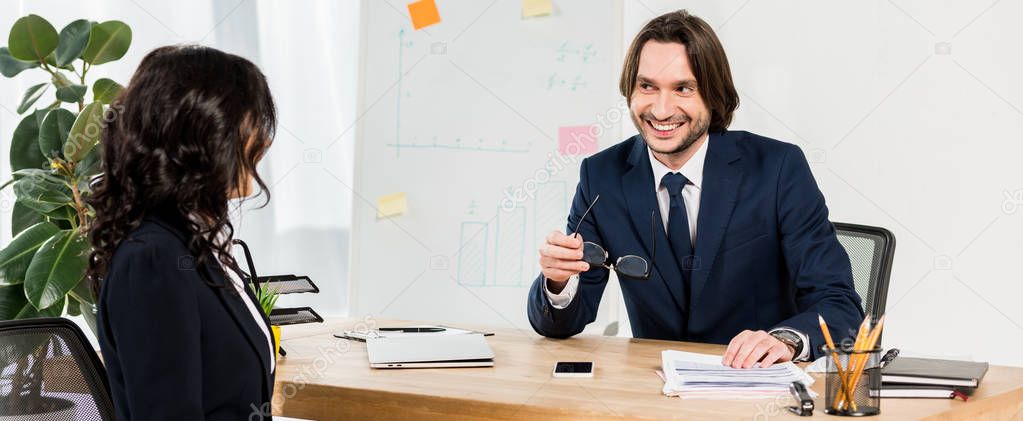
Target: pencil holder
850	374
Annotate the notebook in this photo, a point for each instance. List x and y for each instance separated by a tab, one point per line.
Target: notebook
914	391
933	372
430	351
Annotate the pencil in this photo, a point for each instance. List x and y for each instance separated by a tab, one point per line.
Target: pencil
869	345
843	391
861	337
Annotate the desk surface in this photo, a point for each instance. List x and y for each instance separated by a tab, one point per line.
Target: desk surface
326	378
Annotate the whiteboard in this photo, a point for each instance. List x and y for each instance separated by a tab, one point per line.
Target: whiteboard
464	117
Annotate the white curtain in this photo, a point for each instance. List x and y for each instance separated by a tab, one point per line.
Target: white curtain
309	53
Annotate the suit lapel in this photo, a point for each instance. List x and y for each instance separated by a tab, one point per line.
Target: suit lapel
242	317
720	189
638	189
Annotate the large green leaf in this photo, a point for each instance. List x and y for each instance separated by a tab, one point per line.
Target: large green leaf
85	132
10	66
73	39
73	307
25	145
83	292
31	96
63	213
54	310
42	194
108	41
54	131
56	268
90	165
12	301
52	61
105	90
32	38
40	115
15	258
14	305
23	217
73	93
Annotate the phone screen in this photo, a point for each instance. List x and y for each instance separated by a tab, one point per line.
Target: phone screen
574	367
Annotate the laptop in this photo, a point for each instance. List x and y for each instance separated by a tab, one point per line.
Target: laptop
425	351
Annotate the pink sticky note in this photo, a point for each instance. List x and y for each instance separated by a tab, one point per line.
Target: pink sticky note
576	140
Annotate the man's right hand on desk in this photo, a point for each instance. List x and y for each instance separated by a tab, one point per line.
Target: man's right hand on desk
561	258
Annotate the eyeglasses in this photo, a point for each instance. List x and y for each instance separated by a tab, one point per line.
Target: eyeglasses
630	266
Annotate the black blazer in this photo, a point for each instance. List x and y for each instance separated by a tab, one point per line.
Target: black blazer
174	347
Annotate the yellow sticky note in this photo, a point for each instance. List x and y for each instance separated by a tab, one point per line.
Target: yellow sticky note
532	8
424	13
391	205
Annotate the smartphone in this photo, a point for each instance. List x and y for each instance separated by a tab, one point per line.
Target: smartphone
573	369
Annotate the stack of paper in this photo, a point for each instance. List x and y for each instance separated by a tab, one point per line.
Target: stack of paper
701	376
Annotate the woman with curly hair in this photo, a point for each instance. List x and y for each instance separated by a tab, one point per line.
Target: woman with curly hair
182	336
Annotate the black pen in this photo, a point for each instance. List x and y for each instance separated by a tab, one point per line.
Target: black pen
889	357
412	329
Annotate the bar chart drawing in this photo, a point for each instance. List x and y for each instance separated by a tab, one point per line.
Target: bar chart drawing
510	247
550	207
472	254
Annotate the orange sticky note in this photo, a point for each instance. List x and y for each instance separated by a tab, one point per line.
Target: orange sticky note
424	13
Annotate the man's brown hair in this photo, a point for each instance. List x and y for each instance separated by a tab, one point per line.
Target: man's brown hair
706	56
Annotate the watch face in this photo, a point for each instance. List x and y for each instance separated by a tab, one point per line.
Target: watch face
790	339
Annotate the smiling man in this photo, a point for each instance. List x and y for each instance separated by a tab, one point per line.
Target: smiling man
741	251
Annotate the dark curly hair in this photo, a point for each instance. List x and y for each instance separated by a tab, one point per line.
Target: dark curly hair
183	136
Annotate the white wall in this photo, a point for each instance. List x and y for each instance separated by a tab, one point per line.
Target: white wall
901	136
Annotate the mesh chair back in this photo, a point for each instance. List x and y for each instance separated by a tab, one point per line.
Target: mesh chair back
871	250
48	371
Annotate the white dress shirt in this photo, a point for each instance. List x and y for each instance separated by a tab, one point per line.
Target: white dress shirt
693	171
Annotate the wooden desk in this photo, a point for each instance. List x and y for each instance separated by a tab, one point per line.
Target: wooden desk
325	378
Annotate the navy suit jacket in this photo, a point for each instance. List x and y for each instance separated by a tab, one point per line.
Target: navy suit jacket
174	347
766	254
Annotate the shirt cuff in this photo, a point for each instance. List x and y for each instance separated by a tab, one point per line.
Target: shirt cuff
562	300
804	354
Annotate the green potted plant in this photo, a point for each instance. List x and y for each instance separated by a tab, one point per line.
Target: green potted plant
267	298
53	160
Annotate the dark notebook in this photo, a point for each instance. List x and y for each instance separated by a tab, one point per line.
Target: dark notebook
932	372
891	390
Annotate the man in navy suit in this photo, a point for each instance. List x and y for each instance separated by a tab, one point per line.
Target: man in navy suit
729	227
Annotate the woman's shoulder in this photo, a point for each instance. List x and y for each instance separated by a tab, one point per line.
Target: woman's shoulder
153	243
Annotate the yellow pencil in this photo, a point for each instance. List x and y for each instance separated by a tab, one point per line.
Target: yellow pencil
869	345
842	392
861	337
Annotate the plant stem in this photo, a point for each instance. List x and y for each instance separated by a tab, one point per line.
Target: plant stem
81	78
79	206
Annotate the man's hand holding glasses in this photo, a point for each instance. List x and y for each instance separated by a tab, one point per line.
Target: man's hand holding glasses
564	256
561	258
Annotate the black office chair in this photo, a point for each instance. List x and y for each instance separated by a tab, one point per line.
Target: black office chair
871	250
49	371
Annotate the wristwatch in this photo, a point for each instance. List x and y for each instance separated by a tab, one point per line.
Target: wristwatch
791	339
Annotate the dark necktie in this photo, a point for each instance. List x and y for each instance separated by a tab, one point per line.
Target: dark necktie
678	237
678	221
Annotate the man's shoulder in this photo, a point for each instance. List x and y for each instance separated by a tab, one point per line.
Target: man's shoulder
755	143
